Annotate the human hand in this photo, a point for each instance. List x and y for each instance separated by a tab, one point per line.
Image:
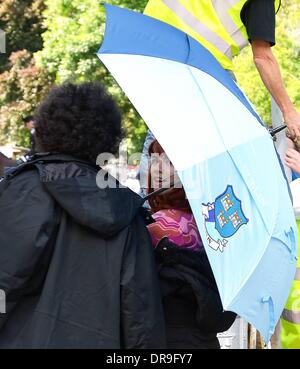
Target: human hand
292	120
292	160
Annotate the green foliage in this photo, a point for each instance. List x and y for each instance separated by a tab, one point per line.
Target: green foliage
68	34
74	34
288	50
22	83
22	87
22	21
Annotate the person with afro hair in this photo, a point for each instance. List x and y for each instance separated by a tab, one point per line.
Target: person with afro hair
76	262
79	120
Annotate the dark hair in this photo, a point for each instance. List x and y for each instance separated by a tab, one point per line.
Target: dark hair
174	198
28	119
78	120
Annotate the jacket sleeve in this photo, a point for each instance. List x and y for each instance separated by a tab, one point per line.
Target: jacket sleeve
26	227
142	320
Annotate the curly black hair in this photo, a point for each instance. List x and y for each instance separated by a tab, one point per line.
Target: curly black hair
79	120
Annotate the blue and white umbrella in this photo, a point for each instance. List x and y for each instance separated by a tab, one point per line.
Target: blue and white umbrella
224	155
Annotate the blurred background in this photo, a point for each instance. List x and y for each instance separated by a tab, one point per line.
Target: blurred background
53	41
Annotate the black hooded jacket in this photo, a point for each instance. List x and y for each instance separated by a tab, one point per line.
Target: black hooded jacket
76	262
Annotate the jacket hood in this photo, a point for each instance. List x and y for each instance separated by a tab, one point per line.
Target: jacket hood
74	187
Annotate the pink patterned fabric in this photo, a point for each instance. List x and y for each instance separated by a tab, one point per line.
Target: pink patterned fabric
178	226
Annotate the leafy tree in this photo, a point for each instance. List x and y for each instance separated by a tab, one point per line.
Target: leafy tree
22	21
22	87
74	34
22	83
75	31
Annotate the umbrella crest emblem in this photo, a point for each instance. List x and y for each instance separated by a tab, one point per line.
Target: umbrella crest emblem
223	218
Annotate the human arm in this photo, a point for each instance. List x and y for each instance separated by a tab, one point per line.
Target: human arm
269	71
258	17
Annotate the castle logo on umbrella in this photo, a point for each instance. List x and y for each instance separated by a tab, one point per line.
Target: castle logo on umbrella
223	218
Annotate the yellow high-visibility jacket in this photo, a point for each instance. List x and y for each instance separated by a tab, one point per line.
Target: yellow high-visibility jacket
290	334
216	24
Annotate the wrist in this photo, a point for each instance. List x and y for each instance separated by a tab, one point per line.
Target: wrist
288	110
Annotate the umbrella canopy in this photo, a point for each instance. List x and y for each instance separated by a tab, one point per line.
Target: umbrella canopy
223	153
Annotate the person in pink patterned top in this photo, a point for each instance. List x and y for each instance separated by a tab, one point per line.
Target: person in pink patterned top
171	211
192	306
